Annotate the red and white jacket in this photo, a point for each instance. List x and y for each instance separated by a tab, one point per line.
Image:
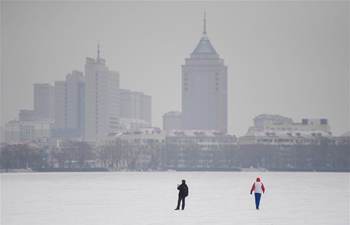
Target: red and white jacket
258	187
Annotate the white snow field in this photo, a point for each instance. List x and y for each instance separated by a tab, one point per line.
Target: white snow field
149	198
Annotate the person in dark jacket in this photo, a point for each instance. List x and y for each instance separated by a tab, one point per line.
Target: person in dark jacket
183	193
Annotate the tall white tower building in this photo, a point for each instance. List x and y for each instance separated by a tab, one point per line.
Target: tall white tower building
101	99
204	88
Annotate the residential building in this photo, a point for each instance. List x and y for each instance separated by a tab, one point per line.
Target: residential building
101	99
276	129
19	132
172	121
135	109
70	106
44	101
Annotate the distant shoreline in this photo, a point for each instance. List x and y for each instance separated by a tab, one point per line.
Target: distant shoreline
249	170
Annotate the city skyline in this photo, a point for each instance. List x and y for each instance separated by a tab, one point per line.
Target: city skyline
246	96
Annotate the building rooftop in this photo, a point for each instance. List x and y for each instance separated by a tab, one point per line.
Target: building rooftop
204	47
195	133
172	113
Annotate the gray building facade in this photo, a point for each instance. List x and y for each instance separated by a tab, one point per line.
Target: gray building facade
204	88
70	105
44	101
135	109
101	100
172	121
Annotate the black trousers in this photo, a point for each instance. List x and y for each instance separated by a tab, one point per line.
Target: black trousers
181	199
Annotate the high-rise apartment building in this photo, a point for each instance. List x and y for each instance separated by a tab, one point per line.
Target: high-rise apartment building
172	121
60	105
135	109
70	105
75	101
101	99
44	101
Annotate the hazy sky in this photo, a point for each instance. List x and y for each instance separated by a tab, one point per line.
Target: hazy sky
289	58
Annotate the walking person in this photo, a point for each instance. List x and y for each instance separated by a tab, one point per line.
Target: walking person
258	188
183	193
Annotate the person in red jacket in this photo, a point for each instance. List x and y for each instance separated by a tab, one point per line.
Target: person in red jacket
258	188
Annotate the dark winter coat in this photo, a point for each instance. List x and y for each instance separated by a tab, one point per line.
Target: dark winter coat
183	190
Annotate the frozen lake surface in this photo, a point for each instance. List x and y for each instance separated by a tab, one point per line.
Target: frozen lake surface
216	198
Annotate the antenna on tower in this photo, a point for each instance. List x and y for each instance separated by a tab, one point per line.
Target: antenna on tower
98	51
205	23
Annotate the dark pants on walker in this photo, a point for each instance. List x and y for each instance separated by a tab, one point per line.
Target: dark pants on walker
257	200
181	199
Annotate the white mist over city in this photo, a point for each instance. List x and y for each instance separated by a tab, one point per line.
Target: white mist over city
147	113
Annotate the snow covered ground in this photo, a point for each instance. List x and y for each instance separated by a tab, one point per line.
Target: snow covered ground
216	198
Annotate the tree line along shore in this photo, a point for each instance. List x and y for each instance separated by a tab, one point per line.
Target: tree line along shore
162	156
